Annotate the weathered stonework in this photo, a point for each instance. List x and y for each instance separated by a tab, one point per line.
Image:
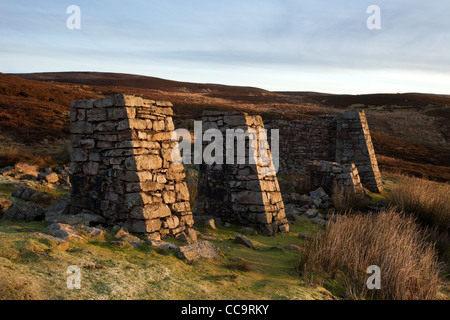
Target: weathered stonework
354	145
344	139
122	168
246	194
330	175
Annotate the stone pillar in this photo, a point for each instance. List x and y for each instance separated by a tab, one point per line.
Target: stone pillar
246	194
354	145
122	168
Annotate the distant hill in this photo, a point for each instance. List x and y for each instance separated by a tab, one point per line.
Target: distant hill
410	131
134	81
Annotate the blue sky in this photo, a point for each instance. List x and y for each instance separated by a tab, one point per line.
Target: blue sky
319	45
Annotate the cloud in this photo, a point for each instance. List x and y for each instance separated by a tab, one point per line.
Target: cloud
279	38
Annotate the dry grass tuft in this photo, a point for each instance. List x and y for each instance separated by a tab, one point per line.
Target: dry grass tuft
427	200
394	242
346	201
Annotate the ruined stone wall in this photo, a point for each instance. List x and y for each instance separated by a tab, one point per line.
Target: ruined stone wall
329	175
343	139
246	194
122	168
304	140
354	145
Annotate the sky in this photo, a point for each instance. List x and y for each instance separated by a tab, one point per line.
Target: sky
279	45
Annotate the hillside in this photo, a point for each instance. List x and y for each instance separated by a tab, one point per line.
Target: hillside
410	130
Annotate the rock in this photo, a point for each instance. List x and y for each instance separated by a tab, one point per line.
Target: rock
6	171
26	169
294	247
163	245
199	250
193	234
184	238
63	231
319	194
151	236
28	194
284	228
5	203
60	208
304	208
124	235
311	213
317	202
50	177
227	225
300	199
292	213
92	231
61	244
74	219
24	211
249	231
319	221
211	224
243	240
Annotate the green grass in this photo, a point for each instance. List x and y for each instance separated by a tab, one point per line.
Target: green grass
33	268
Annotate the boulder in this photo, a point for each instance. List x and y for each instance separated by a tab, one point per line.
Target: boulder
28	194
300	199
240	239
87	219
162	244
124	235
63	231
292	213
26	169
319	194
50	177
199	250
92	231
5	203
24	211
211	224
320	221
182	237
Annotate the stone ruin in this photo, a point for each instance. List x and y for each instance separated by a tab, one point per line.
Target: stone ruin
122	168
246	194
343	141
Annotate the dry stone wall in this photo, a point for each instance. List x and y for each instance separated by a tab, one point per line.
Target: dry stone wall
331	175
122	168
354	145
246	194
342	139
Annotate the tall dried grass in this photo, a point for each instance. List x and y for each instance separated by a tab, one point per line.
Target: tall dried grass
394	242
427	200
346	201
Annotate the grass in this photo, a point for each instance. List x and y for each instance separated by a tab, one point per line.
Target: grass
31	268
427	200
345	200
391	240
